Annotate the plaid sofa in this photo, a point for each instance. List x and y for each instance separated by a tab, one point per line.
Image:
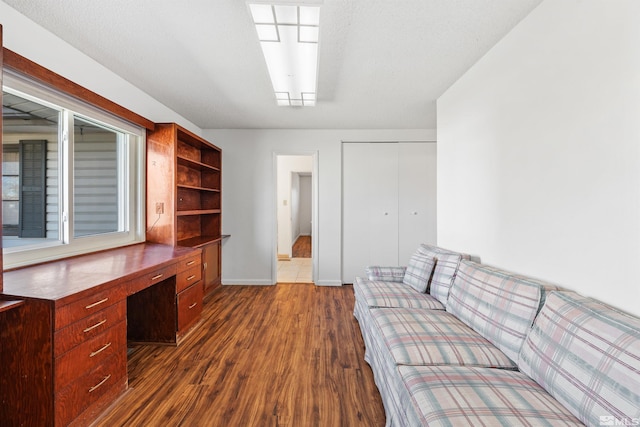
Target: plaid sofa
503	349
387	287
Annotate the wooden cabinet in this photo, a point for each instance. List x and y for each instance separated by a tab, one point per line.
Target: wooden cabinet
184	193
63	353
212	259
73	363
189	289
189	307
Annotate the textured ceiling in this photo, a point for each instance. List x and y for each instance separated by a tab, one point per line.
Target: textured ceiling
383	63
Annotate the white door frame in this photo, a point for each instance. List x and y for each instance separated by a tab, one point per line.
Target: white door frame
314	212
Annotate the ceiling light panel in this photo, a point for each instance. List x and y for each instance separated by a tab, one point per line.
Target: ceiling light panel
289	36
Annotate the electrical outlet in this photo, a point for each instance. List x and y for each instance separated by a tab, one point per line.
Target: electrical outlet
159	208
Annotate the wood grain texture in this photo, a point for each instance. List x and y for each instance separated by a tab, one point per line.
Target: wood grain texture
302	247
212	256
152	315
63	353
26	364
285	355
71	279
189	307
24	66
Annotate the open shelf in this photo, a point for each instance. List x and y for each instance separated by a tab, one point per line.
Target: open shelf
195	199
192	164
184	179
198	212
215	190
201	178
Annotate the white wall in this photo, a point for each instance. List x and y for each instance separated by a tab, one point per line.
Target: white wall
305	204
295	206
248	211
288	220
28	39
539	151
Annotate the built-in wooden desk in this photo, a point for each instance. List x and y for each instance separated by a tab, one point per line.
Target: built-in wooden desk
63	349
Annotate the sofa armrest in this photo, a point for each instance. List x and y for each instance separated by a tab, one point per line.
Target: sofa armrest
385	274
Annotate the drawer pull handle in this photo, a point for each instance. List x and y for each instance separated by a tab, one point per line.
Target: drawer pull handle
190	278
156	277
97	386
102	301
193	305
102	322
190	263
104	347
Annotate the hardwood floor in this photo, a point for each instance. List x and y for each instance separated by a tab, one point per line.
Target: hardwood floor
302	247
285	355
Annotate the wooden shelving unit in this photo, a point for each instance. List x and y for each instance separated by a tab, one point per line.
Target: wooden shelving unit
184	194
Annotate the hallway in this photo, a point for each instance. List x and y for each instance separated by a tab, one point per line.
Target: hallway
298	268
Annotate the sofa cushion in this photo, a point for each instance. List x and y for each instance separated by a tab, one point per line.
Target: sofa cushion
434	337
587	355
374	293
385	274
463	396
419	269
443	274
497	304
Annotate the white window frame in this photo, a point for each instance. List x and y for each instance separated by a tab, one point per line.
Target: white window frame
132	183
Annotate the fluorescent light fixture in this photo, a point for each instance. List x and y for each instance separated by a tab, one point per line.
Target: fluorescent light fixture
289	36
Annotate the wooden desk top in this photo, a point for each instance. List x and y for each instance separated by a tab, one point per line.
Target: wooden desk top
67	280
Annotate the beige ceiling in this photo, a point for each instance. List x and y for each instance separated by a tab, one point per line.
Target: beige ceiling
383	63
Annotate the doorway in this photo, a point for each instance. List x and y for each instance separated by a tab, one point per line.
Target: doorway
295	232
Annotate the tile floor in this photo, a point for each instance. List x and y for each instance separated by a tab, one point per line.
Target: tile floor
297	270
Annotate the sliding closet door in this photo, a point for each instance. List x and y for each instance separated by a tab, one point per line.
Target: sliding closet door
416	197
388	202
370	207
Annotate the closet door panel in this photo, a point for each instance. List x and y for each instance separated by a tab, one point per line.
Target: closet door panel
383	203
417	197
370	207
389	203
355	211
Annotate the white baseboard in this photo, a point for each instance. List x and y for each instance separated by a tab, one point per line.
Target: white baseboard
329	283
247	282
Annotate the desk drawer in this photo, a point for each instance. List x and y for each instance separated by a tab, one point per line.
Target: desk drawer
87	389
89	354
75	311
89	327
189	306
188	277
150	279
190	262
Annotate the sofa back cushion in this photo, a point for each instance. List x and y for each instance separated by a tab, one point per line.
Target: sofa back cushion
419	269
443	274
444	271
587	355
497	304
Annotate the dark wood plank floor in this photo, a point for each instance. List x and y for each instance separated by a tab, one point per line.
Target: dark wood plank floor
285	355
302	247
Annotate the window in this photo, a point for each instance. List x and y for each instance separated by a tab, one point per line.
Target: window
72	179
